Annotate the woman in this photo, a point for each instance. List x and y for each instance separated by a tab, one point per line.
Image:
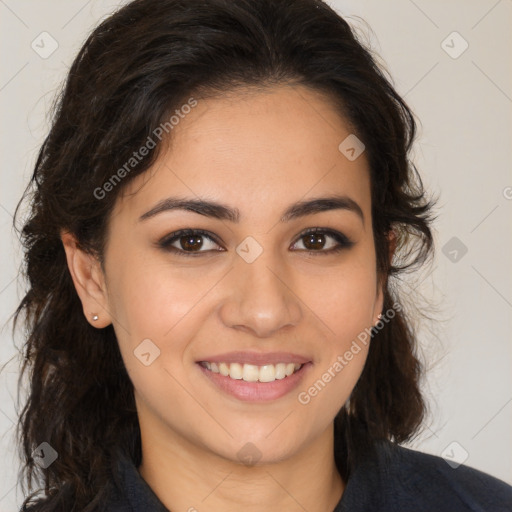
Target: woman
217	212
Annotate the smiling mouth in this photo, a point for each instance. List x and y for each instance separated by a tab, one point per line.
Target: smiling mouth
251	372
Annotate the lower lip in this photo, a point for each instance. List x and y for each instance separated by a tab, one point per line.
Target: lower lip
256	391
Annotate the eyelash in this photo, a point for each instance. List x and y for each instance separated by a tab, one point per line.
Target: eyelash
165	243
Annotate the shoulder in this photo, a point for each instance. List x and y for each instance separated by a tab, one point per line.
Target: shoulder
430	480
402	479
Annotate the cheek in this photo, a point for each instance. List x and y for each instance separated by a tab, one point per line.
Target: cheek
343	352
344	297
156	311
150	298
344	301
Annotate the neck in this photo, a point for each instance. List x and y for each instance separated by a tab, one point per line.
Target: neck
187	477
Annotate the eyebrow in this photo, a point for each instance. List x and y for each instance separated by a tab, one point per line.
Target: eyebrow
221	211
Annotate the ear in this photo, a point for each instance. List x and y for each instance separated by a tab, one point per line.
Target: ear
382	281
89	281
393	241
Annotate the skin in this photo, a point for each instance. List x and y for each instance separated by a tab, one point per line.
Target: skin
258	152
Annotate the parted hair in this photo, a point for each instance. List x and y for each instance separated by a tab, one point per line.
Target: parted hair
134	70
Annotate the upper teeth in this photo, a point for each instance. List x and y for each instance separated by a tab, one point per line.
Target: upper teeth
251	372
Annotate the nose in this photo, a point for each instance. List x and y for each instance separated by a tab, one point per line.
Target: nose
260	299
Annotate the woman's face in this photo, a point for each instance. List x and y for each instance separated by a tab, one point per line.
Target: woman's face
248	292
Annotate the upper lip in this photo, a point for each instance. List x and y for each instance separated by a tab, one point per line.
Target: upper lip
256	358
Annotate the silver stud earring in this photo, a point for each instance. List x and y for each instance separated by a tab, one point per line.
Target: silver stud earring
95	318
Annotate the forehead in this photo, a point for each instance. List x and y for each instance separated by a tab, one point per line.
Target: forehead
254	150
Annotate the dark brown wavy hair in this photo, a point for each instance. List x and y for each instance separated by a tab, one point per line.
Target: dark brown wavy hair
135	69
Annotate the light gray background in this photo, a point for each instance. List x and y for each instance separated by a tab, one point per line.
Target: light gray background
463	152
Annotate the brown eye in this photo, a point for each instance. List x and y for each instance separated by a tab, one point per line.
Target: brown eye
314	241
189	242
322	241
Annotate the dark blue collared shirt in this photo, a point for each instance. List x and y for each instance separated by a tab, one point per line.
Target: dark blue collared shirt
391	479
